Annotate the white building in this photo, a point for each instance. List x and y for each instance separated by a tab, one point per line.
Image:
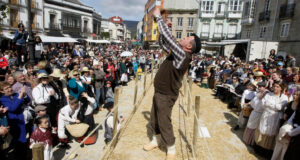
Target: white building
69	17
219	19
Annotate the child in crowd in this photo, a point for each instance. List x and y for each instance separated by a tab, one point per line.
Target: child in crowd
109	122
139	72
109	94
42	134
68	114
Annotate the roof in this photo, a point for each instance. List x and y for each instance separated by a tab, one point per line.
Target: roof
75	1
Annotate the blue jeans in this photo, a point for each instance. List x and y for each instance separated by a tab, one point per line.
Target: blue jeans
99	92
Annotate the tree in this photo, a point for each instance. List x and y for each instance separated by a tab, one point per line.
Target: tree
105	35
3	12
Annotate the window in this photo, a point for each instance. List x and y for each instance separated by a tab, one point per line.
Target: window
232	29
235	5
267	5
179	21
246	9
191	22
189	34
154	31
284	32
248	34
205	28
219	28
178	35
219	8
171	19
262	32
208	6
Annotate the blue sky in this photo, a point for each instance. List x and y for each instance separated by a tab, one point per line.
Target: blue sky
127	9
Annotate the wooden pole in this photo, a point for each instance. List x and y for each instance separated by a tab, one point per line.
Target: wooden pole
189	97
184	86
196	132
116	99
145	81
38	151
135	92
152	69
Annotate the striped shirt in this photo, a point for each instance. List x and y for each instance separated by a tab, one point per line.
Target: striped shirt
168	43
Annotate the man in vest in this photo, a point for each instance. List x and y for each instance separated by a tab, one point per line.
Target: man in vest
167	84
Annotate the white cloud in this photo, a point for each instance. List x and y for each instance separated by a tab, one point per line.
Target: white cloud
127	9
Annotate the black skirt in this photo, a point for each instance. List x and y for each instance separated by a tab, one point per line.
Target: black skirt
293	151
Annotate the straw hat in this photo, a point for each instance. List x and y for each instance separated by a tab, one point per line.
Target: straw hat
258	74
43	75
85	69
57	73
253	84
77	130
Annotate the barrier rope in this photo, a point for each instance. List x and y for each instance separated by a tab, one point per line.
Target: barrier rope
198	120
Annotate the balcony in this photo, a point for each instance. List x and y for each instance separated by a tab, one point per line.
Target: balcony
54	26
121	34
120	28
264	16
218	35
179	28
191	28
207	14
234	14
287	11
86	30
204	35
14	2
247	21
220	14
231	36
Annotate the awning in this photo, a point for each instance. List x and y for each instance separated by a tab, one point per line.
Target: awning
51	39
8	35
225	42
98	41
117	41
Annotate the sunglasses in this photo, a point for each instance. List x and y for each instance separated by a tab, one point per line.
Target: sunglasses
76	74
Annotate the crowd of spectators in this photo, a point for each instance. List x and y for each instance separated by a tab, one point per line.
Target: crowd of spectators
265	94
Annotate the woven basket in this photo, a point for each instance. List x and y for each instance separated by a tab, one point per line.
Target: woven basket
77	130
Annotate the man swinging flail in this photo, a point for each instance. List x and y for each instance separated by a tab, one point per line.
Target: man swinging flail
167	83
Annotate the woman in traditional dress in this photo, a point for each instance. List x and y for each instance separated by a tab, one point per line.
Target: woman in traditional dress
273	104
255	115
247	96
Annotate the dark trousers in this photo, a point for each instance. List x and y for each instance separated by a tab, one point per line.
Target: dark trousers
21	49
161	117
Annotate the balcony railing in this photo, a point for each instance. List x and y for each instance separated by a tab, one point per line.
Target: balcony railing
54	26
190	28
179	28
264	16
287	10
15	2
207	14
220	14
204	35
86	30
234	14
218	35
247	21
231	36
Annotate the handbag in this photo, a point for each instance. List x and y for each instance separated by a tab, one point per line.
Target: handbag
28	113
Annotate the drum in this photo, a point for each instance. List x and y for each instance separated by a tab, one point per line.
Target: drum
247	111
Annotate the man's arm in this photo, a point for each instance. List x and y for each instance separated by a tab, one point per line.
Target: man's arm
177	51
161	42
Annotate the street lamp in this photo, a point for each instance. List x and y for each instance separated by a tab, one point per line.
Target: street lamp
30	39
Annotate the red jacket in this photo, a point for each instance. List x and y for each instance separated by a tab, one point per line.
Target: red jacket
3	62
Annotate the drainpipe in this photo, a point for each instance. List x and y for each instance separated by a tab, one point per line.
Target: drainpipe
198	16
276	12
